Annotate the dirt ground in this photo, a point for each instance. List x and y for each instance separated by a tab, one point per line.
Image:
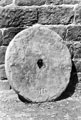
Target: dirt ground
11	108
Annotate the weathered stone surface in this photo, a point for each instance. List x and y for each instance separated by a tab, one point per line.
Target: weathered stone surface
75	49
73	33
55	15
11	108
2	54
71	1
29	2
42	2
71	49
78	15
55	2
36	64
9	34
4	85
59	2
78	65
1	38
79	77
59	29
5	2
2	72
78	86
17	16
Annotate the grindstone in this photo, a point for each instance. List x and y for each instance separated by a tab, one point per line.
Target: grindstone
38	64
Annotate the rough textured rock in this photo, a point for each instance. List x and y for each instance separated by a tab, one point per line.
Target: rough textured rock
29	2
59	2
4	85
78	89
78	14
55	2
73	33
71	49
55	15
19	16
5	2
77	92
14	16
2	72
11	108
79	76
75	49
2	54
78	85
71	1
1	38
78	65
36	64
42	2
9	34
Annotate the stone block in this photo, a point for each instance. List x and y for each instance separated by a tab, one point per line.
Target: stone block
2	54
17	16
55	2
78	65
78	14
55	15
5	2
29	2
2	72
9	34
42	2
71	49
79	77
75	49
1	38
73	33
71	1
60	2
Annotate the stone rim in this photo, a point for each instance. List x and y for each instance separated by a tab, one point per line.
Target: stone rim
7	56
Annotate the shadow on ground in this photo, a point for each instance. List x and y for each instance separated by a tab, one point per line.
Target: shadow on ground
69	91
23	99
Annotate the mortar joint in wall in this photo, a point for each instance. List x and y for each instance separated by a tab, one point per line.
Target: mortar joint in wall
75	13
66	5
13	1
56	25
76	59
73	42
10	6
73	25
2	30
2	65
45	5
52	5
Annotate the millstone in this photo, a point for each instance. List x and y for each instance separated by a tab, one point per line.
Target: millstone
38	64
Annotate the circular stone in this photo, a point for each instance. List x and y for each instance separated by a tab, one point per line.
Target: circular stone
38	64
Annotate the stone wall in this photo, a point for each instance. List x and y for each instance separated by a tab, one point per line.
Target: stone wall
62	16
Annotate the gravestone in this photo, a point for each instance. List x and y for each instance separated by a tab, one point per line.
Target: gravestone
38	64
